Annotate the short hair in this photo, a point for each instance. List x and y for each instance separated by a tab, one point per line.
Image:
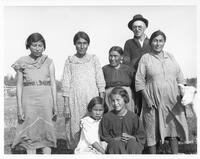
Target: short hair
122	92
118	49
35	37
155	34
97	100
83	35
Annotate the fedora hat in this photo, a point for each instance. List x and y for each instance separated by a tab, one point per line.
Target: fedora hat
135	18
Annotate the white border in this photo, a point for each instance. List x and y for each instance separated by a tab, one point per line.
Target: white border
6	3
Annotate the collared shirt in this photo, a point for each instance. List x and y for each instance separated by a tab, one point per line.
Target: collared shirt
133	51
141	41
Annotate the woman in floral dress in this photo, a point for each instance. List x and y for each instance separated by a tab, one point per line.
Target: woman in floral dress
81	81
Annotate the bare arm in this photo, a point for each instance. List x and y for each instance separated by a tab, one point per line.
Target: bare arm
20	111
66	78
53	88
98	147
100	81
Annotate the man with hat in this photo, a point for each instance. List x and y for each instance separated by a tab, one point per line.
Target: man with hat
134	48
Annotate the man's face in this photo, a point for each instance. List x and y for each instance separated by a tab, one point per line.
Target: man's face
138	28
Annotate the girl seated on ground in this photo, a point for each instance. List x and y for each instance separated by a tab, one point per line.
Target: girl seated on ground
89	140
121	128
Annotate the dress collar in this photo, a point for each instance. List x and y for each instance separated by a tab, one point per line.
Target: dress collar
85	59
165	55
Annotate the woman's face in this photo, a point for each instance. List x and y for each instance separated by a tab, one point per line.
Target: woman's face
118	102
114	58
158	43
97	111
81	46
37	48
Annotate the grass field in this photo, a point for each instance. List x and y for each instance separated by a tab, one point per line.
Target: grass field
10	123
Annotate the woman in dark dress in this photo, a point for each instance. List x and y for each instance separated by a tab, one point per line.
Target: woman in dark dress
117	74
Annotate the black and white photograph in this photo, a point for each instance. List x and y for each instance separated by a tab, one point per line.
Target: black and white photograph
100	78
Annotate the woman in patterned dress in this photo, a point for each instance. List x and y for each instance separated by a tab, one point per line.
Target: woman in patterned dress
81	81
157	77
36	98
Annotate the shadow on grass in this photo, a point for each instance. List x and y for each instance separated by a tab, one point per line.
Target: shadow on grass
61	149
182	148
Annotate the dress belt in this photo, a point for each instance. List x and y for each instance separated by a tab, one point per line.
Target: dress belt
37	83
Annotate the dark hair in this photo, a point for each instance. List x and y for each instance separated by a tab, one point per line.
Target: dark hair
97	100
82	35
118	49
35	37
122	92
155	34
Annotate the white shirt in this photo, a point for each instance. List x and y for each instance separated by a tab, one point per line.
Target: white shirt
141	41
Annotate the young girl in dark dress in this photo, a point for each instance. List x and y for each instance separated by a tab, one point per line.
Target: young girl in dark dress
121	128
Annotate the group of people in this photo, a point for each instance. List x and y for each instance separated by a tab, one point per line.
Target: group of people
120	108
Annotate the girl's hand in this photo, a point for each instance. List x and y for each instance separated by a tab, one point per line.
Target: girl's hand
117	138
20	116
125	137
67	112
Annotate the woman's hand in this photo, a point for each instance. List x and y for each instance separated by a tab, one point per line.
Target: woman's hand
147	99
125	137
55	113
67	112
149	103
20	116
117	138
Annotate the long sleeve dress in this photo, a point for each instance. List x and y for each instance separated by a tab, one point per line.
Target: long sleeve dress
112	126
160	78
82	80
123	76
89	135
37	130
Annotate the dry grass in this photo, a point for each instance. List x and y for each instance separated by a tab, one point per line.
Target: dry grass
10	122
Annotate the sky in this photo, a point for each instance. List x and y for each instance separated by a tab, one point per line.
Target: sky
106	27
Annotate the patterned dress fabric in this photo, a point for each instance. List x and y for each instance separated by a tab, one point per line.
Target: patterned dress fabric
82	80
160	78
37	130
